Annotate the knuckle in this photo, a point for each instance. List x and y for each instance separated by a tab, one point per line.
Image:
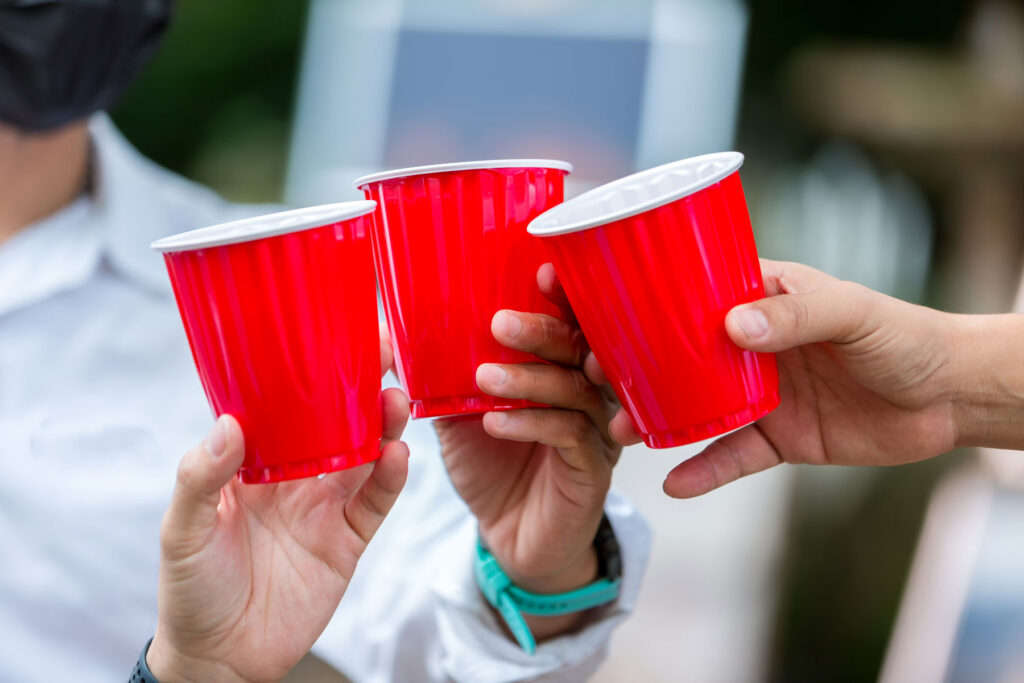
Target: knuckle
580	387
791	277
724	464
523	381
579	346
550	333
783	268
735	459
579	427
189	473
173	540
364	532
547	331
374	505
846	289
851	297
797	312
167	531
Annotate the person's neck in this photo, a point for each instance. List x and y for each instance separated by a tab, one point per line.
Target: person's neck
40	173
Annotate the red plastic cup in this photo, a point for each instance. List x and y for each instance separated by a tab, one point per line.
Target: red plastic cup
651	264
452	250
281	315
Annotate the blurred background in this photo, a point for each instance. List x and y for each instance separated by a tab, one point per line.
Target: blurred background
884	143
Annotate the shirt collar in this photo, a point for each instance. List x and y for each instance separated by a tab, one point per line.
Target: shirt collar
131	203
127	206
57	253
111	224
137	202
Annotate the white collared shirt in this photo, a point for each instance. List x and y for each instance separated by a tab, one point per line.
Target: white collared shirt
99	399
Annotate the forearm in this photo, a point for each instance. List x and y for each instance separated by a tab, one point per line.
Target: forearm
988	405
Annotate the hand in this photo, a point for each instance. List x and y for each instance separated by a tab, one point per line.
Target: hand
251	574
536	479
865	379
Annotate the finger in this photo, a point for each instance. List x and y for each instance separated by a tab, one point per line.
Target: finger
592	370
387	354
544	335
787	277
621	429
550	384
595	375
203	471
563	429
395	413
733	456
551	287
839	312
347	481
370	505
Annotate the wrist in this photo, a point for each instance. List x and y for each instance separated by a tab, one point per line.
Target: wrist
168	665
571	578
581	573
536	606
988	401
578	572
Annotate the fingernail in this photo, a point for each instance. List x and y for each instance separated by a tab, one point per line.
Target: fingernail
217	439
752	322
494	374
500	419
513	325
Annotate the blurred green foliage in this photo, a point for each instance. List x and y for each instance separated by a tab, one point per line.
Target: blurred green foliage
780	28
216	102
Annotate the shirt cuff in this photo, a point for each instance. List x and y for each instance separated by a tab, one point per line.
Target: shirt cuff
476	648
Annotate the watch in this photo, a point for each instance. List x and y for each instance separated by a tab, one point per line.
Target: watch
512	601
141	672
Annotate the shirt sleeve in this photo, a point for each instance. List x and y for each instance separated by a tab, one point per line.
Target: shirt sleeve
474	647
413	612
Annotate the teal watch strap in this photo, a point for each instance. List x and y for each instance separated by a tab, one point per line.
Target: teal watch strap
512	601
494	584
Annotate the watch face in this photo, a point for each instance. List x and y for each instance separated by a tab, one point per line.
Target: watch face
609	559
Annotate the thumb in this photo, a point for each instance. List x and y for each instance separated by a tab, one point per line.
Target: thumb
192	514
840	312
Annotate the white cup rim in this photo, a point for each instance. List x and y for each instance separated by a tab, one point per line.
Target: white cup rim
566	217
360	182
267	225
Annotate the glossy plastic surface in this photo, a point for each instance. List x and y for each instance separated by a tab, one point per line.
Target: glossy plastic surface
651	292
284	334
451	251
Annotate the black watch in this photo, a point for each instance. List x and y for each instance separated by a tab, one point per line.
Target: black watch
609	558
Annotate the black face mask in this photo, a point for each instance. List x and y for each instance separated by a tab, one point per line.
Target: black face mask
61	60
